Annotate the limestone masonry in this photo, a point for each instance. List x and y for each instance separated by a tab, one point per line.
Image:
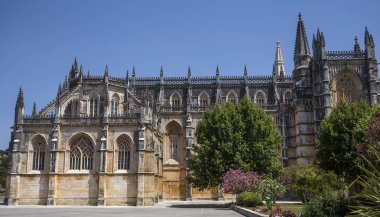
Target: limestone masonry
125	141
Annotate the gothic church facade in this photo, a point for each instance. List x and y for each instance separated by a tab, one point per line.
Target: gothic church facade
125	141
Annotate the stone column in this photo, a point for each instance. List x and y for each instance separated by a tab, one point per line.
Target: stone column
13	179
52	174
189	141
102	167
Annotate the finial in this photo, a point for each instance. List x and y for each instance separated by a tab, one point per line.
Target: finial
34	111
59	91
217	70
106	71
127	75
88	73
133	71
20	96
299	16
81	70
189	72
245	70
356	45
161	72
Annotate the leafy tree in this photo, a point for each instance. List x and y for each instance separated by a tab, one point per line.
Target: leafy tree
233	136
3	169
341	135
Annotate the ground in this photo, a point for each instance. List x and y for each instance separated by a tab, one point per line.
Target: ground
63	211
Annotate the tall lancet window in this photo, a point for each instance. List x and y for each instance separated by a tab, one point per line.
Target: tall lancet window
232	97
114	105
174	147
81	154
124	153
175	100
260	98
203	99
93	107
287	97
38	155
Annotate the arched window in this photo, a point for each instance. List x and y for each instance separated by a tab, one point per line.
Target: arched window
38	155
114	105
232	97
175	100
72	108
346	86
260	98
203	100
124	153
81	154
93	107
287	97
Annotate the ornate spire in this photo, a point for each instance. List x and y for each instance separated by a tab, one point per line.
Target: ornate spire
20	97
133	72
217	70
278	65
245	70
34	111
127	79
106	71
356	46
302	46
59	91
74	69
161	72
189	72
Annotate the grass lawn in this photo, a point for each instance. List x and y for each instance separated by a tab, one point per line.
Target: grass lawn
295	208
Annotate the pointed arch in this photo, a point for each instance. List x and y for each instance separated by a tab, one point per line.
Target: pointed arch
115	101
81	152
287	97
232	97
39	146
173	141
93	104
203	99
346	86
72	107
124	150
260	98
175	99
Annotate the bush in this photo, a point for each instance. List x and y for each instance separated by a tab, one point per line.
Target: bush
236	181
249	199
331	203
271	188
277	212
311	181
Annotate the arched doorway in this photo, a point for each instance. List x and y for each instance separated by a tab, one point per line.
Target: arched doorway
174	168
346	86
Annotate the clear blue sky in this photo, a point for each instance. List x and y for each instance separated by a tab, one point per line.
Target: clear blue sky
39	39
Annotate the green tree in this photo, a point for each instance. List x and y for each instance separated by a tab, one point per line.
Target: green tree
3	169
233	136
339	137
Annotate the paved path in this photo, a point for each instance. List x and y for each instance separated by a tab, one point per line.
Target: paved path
68	211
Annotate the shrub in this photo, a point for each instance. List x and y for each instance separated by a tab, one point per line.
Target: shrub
249	199
369	182
331	203
310	182
271	188
236	181
277	212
